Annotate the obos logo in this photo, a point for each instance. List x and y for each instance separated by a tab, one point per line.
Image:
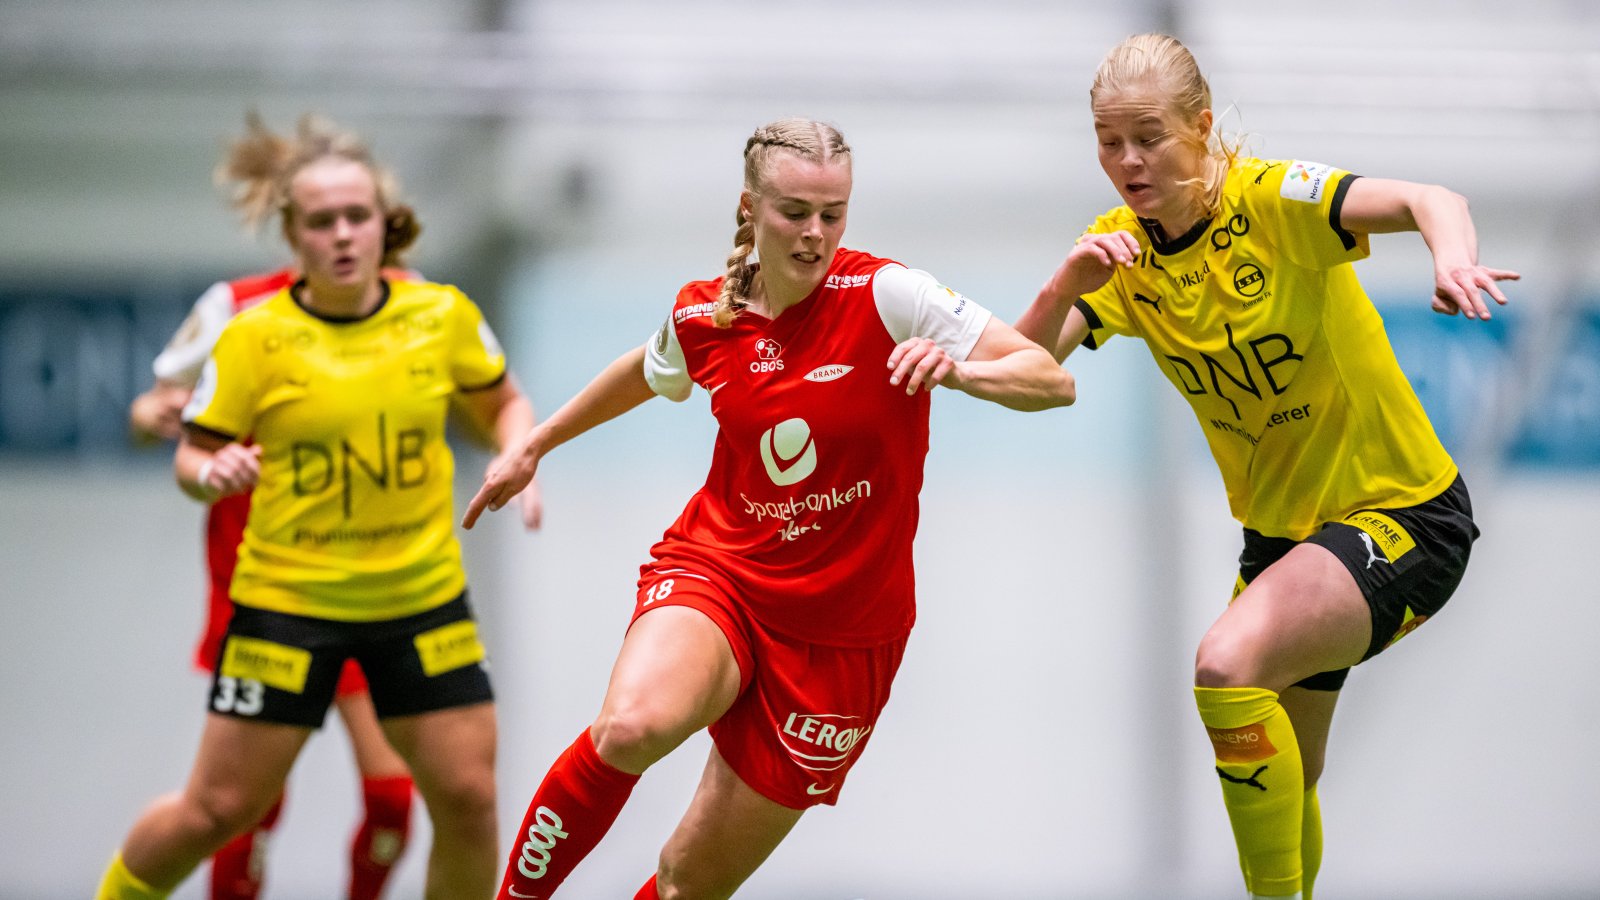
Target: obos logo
822	742
788	452
767	353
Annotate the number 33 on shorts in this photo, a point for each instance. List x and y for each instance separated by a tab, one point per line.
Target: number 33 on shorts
240	696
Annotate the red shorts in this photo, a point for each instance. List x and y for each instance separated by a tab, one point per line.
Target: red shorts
804	711
219	611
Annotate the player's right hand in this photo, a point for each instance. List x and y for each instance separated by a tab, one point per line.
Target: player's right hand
233	469
506	478
1091	261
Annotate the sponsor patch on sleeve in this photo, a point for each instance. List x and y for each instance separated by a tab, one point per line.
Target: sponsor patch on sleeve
449	648
1305	181
274	665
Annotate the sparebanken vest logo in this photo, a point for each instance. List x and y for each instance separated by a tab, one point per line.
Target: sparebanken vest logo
788	452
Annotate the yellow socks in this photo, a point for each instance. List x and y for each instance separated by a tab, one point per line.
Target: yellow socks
121	884
1310	842
1263	784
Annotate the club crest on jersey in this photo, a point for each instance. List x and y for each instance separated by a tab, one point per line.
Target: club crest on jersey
768	353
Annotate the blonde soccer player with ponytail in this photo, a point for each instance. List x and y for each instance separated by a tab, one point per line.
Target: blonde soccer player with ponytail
1236	273
774	611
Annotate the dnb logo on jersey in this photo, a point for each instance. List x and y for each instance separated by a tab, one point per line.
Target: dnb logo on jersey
788	452
768	353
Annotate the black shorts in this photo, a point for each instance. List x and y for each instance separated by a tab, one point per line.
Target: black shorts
280	668
1407	563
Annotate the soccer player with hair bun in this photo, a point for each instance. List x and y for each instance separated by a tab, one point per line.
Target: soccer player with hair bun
774	611
237	870
323	399
1235	271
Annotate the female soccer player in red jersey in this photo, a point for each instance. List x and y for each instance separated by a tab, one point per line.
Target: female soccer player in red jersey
776	608
342	380
1357	527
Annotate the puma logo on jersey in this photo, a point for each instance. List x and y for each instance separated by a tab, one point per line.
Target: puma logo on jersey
788	452
1251	780
1372	552
1143	299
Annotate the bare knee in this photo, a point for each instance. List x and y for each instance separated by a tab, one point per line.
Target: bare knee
220	813
1223	661
462	800
631	738
675	881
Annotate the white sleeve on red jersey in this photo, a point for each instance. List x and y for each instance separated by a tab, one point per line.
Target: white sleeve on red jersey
664	365
913	303
186	352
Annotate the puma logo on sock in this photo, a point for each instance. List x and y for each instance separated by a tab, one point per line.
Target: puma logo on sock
1250	780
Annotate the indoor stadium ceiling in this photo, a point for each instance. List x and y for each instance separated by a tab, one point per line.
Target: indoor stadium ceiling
110	106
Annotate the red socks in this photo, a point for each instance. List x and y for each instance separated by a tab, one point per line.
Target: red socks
381	838
237	868
570	812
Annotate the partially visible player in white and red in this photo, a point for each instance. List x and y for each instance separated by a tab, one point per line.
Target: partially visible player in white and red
776	608
237	870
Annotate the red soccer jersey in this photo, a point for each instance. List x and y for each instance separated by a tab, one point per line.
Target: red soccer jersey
810	507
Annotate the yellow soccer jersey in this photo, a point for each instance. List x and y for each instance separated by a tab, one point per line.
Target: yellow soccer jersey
353	518
1256	317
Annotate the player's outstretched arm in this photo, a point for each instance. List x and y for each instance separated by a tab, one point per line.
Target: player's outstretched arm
1004	367
1049	321
617	389
1382	205
503	414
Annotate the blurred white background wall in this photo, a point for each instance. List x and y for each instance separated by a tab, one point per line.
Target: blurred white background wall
573	164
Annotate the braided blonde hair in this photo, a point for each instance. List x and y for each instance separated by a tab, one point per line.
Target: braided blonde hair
262	165
1165	64
811	140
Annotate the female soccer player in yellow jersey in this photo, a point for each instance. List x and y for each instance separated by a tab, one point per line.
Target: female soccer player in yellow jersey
342	382
1357	526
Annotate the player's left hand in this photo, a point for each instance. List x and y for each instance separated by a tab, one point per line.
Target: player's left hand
920	363
1460	289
